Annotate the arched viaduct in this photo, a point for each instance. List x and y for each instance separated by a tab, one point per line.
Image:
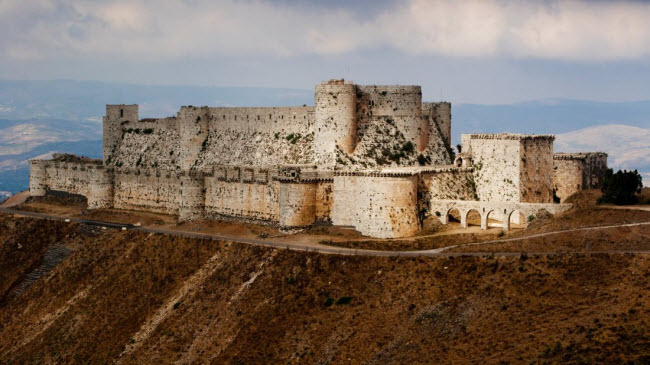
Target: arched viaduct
500	210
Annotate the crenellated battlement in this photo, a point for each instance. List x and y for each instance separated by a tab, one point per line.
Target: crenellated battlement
510	136
582	156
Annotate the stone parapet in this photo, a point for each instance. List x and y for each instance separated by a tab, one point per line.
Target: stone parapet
508	136
401	172
578	155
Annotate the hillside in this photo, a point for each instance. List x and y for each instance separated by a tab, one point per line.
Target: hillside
146	298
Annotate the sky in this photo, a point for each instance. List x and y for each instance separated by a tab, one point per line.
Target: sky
484	51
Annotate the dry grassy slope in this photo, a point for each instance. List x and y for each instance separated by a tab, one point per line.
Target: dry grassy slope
159	299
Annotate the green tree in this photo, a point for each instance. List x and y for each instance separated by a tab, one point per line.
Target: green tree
620	188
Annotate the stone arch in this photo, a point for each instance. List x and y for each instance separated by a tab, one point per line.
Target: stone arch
495	218
472	217
449	217
517	217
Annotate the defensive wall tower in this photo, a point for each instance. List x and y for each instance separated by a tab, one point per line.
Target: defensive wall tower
297	202
577	171
192	196
440	114
335	120
116	115
377	203
194	128
401	104
37	177
100	187
511	167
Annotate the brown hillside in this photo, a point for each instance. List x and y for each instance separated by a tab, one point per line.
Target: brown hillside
142	298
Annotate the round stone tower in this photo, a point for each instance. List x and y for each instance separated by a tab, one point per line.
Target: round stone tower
335	120
37	177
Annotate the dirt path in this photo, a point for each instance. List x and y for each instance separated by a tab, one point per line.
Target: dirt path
627	207
325	249
15	200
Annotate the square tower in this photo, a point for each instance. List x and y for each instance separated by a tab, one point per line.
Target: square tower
512	167
116	115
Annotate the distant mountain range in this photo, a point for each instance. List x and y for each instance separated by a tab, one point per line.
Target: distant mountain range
86	100
628	147
42	117
547	116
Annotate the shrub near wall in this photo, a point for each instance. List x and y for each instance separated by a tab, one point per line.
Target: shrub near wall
620	188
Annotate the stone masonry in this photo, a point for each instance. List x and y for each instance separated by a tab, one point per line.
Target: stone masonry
374	158
577	171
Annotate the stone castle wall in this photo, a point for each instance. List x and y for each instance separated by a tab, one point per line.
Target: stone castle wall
249	193
537	170
440	114
91	180
497	166
511	167
576	171
383	206
148	190
201	136
350	127
450	183
393	203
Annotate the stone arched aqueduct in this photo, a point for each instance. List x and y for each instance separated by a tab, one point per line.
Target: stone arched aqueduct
492	210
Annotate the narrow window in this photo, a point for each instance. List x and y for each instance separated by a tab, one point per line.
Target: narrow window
121	113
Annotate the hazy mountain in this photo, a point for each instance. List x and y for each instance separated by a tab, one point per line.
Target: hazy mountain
86	100
628	147
40	117
14	168
20	136
546	116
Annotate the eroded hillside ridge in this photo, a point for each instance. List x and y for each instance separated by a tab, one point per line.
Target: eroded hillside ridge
140	298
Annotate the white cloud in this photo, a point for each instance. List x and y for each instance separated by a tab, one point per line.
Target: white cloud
131	30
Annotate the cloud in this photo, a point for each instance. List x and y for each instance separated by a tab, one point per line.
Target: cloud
172	30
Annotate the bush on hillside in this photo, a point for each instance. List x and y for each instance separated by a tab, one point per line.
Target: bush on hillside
620	188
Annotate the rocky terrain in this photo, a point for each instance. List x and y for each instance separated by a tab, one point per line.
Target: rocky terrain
133	297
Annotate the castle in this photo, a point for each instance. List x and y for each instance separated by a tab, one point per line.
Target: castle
375	158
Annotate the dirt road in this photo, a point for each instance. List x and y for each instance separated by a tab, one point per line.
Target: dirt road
325	249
